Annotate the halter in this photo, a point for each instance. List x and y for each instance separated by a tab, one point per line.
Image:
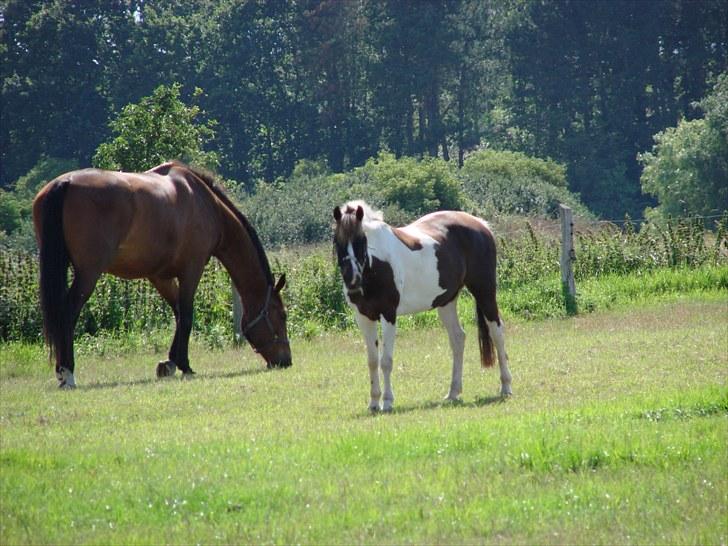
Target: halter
263	315
361	266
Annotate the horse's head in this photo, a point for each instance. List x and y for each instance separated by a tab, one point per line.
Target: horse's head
266	331
350	243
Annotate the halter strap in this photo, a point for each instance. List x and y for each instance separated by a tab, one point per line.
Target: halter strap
263	315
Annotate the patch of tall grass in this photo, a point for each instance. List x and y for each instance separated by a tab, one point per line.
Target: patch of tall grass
613	267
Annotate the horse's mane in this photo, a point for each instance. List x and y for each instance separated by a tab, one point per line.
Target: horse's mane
348	227
209	180
370	214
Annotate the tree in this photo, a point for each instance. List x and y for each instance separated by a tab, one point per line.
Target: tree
593	81
53	55
159	128
687	169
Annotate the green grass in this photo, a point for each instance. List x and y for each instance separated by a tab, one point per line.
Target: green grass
616	433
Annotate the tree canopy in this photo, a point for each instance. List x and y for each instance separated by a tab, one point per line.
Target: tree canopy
687	169
585	83
160	127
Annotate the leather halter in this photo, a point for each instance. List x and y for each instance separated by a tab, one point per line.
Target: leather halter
363	267
263	315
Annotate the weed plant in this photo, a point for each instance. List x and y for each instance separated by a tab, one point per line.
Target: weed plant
653	260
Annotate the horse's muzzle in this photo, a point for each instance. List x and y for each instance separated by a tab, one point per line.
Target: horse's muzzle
284	363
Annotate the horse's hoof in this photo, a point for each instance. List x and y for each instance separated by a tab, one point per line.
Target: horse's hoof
66	380
506	392
166	368
188	374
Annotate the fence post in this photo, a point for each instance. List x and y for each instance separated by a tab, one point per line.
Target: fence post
237	316
567	257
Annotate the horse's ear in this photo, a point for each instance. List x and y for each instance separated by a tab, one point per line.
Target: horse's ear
359	213
337	214
281	283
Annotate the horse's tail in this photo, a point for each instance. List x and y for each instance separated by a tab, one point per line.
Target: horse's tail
486	346
53	269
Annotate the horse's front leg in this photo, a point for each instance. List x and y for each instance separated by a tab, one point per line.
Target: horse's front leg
389	331
187	287
369	331
169	290
182	337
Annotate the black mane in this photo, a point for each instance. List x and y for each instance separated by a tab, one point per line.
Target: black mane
209	179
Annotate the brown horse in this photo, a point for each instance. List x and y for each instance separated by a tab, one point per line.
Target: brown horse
163	225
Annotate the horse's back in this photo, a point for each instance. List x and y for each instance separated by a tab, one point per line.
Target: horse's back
130	224
440	253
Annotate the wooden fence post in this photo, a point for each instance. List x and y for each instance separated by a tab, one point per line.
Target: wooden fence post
567	257
237	316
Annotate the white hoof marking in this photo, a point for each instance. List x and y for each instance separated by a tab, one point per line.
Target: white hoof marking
65	379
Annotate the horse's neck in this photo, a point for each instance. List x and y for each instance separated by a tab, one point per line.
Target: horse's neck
240	257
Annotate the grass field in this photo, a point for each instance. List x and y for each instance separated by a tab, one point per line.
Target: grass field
617	433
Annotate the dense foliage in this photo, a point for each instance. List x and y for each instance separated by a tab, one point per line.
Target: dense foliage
491	184
15	206
584	83
528	278
687	169
156	129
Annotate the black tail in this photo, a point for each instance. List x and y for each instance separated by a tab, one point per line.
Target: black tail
486	346
54	270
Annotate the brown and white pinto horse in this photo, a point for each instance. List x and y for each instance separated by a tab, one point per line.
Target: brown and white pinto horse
391	271
163	225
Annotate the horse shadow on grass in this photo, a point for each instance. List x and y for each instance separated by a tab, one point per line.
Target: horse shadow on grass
153	380
479	402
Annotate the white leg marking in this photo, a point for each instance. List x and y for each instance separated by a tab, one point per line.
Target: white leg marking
497	336
65	379
389	331
369	331
449	318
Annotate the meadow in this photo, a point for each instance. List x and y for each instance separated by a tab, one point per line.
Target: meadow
616	434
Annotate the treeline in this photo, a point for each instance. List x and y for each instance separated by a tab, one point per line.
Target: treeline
586	84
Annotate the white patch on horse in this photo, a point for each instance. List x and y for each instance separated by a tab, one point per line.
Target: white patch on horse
497	336
66	379
355	266
415	271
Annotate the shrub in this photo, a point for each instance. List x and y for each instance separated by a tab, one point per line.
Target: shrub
687	169
297	211
159	128
415	186
498	183
15	205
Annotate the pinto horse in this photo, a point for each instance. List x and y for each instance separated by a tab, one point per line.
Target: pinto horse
389	271
163	225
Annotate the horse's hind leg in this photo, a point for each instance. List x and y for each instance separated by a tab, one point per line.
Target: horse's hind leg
449	318
488	307
496	330
497	335
83	285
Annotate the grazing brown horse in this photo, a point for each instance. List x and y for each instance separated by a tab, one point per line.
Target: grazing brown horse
389	271
163	225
